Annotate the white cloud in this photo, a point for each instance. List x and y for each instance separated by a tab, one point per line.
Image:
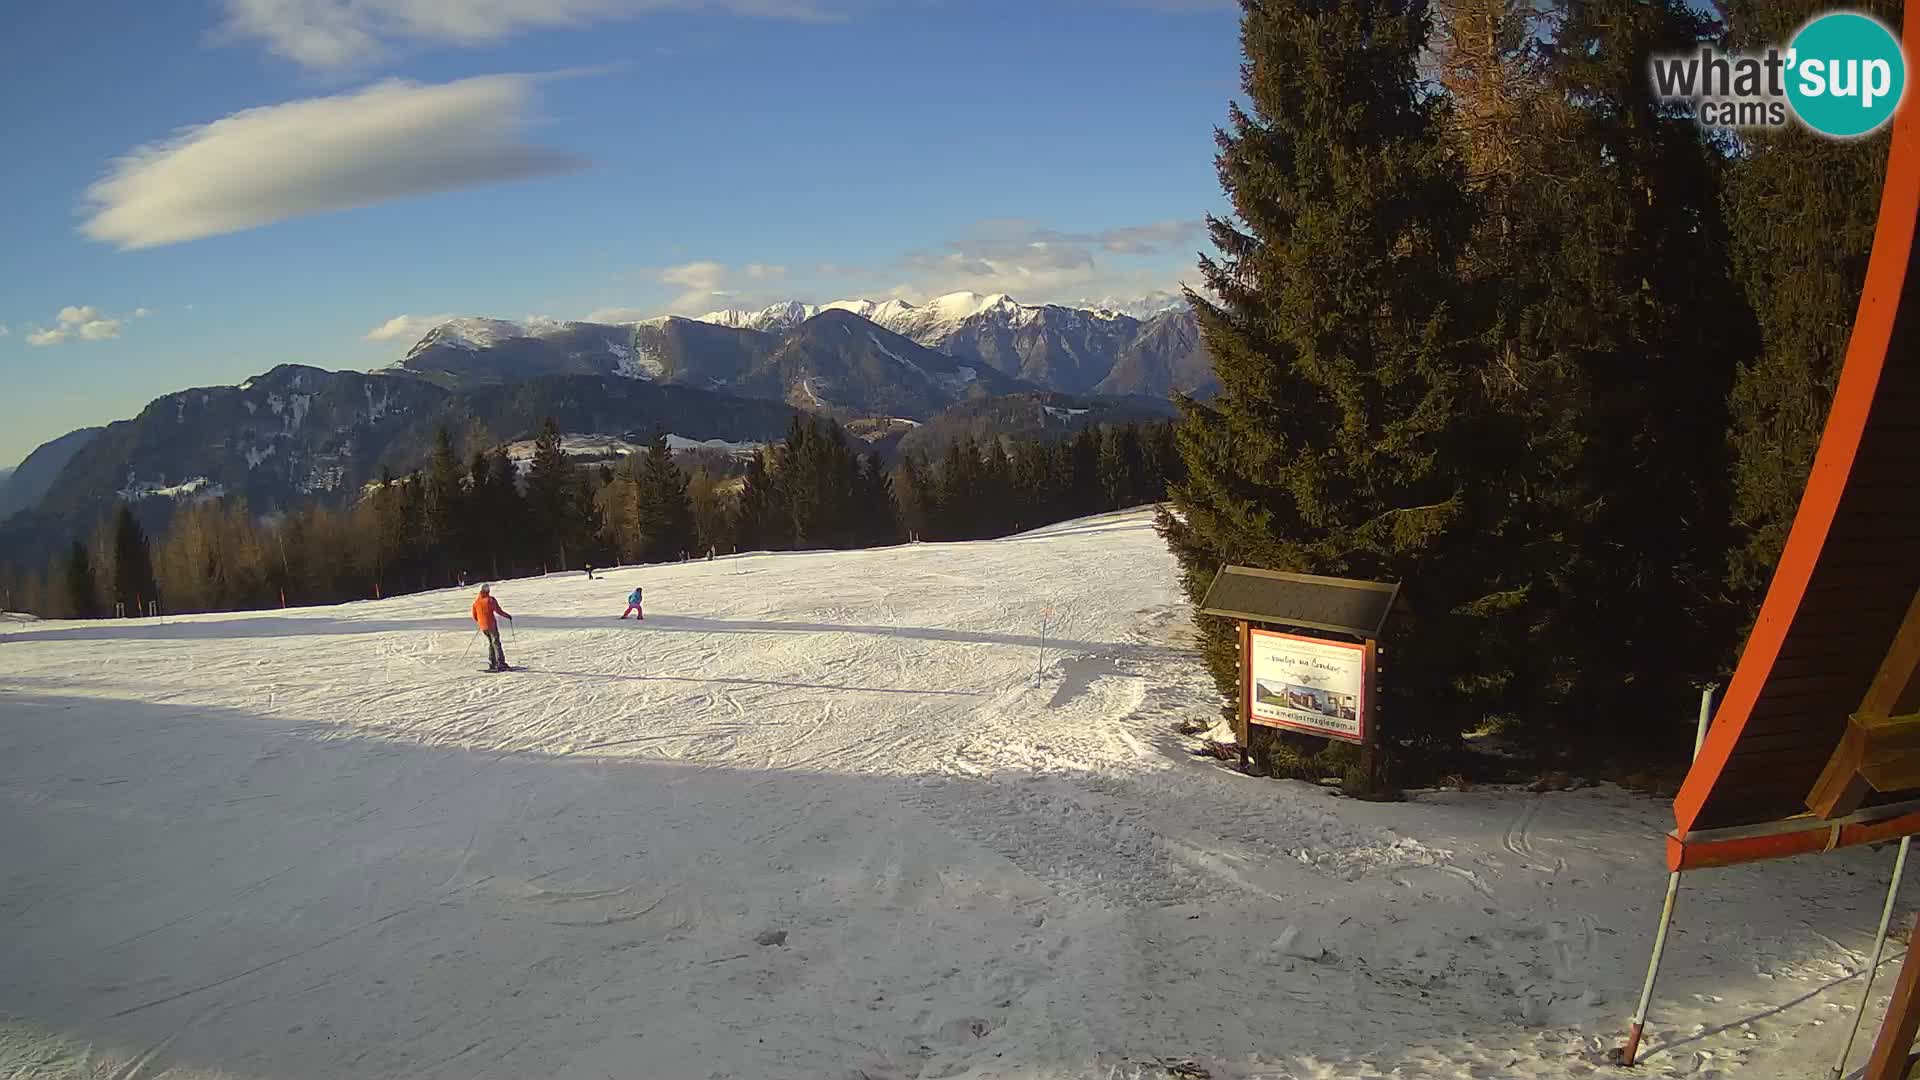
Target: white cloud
706	285
1037	265
343	33
408	328
141	313
618	315
259	166
78	322
3	330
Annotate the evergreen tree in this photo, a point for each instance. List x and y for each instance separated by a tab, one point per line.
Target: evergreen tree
82	590
133	583
442	509
762	520
877	520
995	513
551	505
504	526
961	491
1121	466
664	513
1801	211
1635	330
1341	442
1082	473
918	496
712	516
1034	499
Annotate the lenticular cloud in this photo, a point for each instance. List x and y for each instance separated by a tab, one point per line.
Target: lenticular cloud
259	166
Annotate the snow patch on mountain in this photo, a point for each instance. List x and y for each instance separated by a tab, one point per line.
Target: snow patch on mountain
636	361
292	407
894	356
137	489
589	447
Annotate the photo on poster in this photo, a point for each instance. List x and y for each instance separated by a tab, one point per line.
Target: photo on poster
1309	685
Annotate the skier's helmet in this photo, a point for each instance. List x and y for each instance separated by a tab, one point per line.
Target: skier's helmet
485	589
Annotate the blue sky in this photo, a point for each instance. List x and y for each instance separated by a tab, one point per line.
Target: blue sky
198	191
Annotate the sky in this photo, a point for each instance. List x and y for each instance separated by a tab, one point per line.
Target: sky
198	191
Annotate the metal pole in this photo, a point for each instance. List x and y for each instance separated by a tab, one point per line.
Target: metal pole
1706	717
1639	1024
1879	947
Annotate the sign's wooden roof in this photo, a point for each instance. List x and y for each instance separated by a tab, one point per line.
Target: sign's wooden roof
1339	605
1852	560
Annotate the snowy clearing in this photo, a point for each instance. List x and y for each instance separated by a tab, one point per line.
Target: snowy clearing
821	815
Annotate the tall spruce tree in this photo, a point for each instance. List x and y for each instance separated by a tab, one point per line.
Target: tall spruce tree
1343	440
1637	331
1082	472
550	500
761	518
133	582
877	519
442	508
82	588
663	510
918	495
1801	210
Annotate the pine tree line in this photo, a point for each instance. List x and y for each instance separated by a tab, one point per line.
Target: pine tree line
487	518
1485	319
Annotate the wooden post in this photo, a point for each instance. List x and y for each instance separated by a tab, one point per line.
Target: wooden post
1892	1050
1245	727
1370	756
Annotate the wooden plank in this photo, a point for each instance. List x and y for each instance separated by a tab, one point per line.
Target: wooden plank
1841	789
1891	761
1894	689
1895	1041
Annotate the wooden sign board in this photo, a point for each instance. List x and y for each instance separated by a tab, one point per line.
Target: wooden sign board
1305	684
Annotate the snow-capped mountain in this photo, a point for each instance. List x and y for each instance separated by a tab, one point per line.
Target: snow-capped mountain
926	323
836	359
842	363
471	351
1075	350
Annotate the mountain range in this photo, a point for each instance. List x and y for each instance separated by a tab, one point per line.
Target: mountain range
981	365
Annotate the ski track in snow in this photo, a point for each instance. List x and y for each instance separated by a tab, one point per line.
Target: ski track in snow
315	843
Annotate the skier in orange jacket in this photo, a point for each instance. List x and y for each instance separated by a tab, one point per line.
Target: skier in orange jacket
485	608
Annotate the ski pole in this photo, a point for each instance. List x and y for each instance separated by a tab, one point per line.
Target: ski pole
468	651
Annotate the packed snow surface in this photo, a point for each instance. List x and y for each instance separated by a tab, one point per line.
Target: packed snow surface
820	815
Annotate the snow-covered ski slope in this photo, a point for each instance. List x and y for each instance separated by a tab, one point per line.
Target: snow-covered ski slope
821	815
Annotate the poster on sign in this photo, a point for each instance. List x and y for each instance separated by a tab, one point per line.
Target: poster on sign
1308	685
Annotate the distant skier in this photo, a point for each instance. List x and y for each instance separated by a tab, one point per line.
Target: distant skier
485	610
589	571
633	605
